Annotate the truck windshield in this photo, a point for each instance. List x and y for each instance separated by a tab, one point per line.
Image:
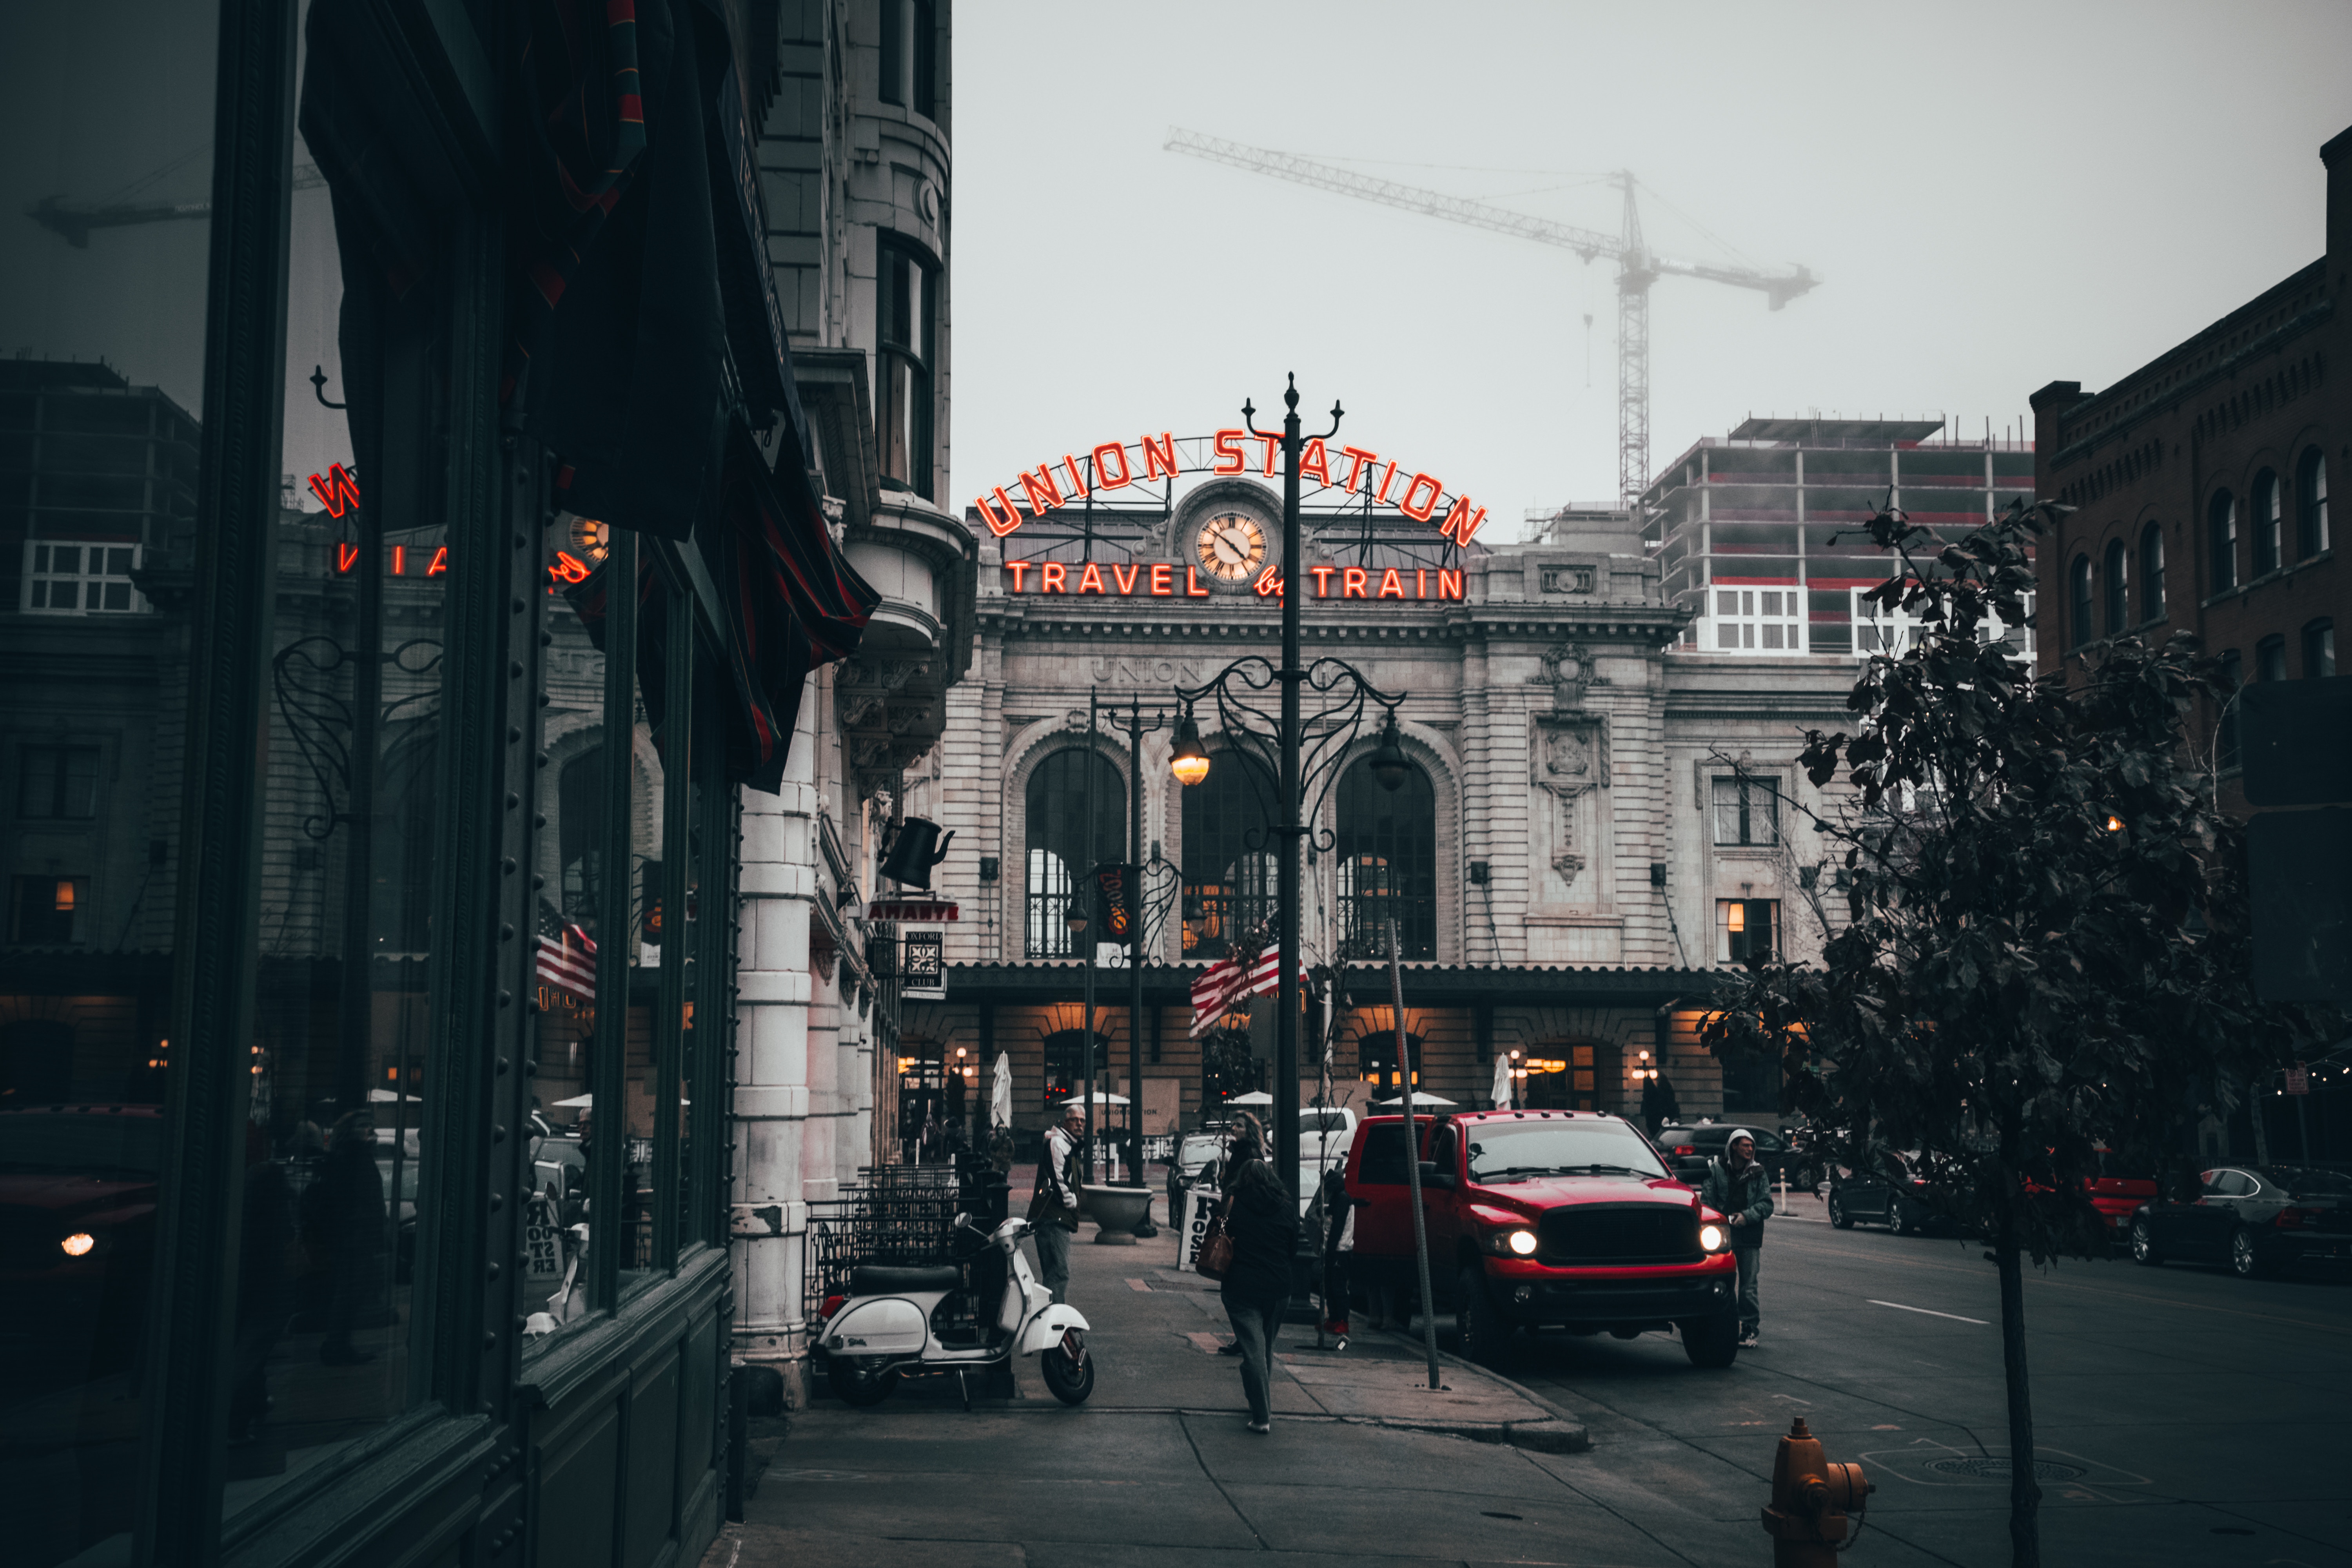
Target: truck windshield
1540	1148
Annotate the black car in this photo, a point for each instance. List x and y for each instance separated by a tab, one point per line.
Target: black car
1690	1149
2254	1218
1886	1190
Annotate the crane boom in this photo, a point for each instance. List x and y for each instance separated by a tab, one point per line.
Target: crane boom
1637	268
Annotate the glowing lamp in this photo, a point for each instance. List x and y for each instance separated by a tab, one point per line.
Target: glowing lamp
1190	760
79	1244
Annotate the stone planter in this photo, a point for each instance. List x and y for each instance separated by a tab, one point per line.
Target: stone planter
1116	1211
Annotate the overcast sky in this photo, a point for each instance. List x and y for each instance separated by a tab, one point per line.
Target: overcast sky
1994	196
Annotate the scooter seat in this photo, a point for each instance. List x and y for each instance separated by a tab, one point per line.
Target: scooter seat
880	1279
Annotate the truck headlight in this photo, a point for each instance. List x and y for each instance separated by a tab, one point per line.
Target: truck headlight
1521	1242
1711	1237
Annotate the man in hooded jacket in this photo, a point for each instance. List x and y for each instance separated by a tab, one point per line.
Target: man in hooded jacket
1736	1186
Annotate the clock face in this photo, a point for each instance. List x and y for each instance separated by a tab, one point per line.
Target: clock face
591	538
1232	544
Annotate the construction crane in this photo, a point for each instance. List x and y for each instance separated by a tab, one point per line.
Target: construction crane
72	221
1638	267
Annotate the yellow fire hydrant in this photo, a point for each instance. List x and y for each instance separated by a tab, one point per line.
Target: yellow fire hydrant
1811	1497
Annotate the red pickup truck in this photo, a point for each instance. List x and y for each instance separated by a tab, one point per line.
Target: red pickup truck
1542	1219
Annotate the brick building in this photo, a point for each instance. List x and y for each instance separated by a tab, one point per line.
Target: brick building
2201	485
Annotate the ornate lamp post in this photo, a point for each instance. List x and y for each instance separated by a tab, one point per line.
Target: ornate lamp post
1302	752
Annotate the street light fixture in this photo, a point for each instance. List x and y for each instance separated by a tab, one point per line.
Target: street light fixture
1188	759
1389	764
1074	915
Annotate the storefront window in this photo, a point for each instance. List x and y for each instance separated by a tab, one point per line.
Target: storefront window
101	410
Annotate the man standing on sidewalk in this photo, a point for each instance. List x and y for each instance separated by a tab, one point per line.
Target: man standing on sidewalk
1054	1206
1736	1185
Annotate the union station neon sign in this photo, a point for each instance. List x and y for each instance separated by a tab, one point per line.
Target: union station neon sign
1156	579
1108	468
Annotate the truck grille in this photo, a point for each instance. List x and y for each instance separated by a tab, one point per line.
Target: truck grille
1626	1233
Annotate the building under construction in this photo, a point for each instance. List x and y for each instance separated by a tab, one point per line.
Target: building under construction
1761	533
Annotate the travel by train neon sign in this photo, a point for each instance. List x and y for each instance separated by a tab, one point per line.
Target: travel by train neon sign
1156	579
1108	468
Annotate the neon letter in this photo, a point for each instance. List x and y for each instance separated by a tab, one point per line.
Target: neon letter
1077	485
1315	460
1270	443
441	563
1018	569
1357	457
1011	520
1159	457
1386	480
1449	584
1352	583
1461	522
1126	579
1057	577
1420	582
1090	580
1322	580
346	556
1391	586
340	489
1041	495
1228	448
1269	584
1102	475
1192	589
400	560
1420	513
1163	578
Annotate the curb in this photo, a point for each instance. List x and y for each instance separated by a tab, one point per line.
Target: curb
1552	1435
1563	1429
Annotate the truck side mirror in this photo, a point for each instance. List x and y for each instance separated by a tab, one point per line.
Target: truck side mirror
1430	1176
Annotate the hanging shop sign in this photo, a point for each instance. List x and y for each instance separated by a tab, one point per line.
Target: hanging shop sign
923	966
914	912
1355	470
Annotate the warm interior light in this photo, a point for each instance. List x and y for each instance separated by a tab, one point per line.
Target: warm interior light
64	895
79	1244
1188	759
1739	917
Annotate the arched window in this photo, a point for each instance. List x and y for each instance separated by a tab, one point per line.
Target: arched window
1060	848
1388	863
2119	599
2310	503
1065	1065
2151	572
2222	540
1229	885
1376	1060
2267	523
2078	586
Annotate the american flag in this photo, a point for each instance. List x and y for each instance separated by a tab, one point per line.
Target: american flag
567	958
1226	982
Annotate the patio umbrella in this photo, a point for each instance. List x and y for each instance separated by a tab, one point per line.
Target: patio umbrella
1501	1092
1000	1091
1099	1100
1419	1099
1254	1096
577	1103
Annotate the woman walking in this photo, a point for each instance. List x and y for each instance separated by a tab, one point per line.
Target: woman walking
1263	1221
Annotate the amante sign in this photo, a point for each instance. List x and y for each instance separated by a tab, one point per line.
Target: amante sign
1108	467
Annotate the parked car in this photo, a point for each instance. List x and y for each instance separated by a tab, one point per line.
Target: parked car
78	1201
1692	1148
1196	1155
1888	1191
2253	1219
2119	1190
1545	1219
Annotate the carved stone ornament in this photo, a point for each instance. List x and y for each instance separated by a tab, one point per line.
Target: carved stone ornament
1571	760
1568	670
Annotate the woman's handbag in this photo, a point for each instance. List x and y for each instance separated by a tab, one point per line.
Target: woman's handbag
1216	1259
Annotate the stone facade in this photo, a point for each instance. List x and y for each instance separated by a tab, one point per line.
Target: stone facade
1580	890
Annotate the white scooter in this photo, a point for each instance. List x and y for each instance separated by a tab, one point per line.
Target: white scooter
958	1318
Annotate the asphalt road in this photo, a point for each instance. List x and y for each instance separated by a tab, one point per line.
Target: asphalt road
2182	1416
2188	1417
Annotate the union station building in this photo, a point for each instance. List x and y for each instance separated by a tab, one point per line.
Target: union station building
1602	805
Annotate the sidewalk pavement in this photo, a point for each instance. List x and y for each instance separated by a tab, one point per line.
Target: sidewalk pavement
1157	1468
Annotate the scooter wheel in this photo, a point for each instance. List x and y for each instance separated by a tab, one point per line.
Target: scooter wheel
854	1383
1069	1371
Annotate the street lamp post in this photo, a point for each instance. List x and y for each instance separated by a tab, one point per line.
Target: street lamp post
1135	730
1299	758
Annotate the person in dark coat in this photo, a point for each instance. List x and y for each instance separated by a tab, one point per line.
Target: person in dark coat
355	1215
1262	1218
1738	1187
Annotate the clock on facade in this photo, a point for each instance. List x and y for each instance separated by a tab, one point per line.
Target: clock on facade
591	538
1230	545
